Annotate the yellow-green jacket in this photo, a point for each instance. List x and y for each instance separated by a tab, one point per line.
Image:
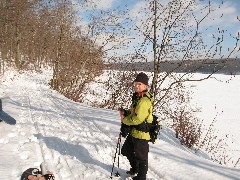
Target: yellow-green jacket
141	110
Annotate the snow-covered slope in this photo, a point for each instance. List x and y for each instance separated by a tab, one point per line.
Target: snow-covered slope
79	142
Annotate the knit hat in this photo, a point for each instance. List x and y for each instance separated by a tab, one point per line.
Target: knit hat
142	77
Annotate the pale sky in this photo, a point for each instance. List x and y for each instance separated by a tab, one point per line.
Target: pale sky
227	17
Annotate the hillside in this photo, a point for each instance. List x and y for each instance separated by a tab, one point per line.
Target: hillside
78	142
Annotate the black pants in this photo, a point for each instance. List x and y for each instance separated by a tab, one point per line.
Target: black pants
136	151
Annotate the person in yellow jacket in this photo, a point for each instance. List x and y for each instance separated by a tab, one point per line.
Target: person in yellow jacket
136	146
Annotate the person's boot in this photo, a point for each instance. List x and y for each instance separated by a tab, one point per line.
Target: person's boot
134	168
132	171
142	174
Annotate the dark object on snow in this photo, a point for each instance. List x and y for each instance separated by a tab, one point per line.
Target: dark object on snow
7	118
30	171
36	172
0	105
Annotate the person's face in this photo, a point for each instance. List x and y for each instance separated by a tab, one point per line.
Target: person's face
35	178
139	87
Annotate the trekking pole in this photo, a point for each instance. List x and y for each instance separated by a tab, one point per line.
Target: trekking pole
0	105
119	152
118	146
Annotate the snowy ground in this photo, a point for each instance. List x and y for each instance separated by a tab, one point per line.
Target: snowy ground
78	142
219	98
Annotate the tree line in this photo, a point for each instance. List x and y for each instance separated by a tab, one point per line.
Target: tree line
36	34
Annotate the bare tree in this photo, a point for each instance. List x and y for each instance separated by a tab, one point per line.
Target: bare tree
38	33
77	59
175	32
109	30
13	13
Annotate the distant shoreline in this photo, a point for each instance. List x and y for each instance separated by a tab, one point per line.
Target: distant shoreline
223	66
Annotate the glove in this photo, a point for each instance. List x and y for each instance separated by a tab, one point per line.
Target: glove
125	130
123	113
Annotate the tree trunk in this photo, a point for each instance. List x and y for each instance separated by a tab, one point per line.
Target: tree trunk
58	58
155	74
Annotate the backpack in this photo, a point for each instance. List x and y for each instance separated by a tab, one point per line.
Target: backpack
154	129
